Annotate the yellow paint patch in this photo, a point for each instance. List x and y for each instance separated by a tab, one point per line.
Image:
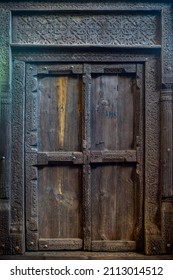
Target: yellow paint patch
60	183
59	188
62	100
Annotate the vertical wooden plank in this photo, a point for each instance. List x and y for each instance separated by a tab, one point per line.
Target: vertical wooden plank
139	144
86	122
126	112
113	196
60	113
113	104
60	202
53	206
104	112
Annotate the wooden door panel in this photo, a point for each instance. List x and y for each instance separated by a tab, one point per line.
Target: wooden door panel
60	113
60	202
113	197
113	112
86	158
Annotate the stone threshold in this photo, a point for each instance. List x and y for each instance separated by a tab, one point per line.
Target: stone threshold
68	255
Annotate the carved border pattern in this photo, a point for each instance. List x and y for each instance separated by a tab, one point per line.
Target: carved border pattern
167	128
17	192
167	45
4	51
116	30
152	158
31	158
42	55
89	5
5	131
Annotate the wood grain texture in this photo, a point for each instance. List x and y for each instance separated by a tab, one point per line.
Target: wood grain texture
114	246
113	99
60	113
60	202
113	195
60	244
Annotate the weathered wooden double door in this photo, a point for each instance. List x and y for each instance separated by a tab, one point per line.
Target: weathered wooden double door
84	177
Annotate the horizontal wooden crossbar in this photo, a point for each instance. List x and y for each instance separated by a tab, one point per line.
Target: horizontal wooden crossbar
60	244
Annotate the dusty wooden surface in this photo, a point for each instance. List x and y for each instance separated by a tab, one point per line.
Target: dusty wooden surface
85	256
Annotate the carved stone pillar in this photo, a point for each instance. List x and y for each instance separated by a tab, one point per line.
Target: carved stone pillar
166	166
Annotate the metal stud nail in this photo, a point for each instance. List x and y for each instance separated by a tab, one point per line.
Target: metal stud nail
17	248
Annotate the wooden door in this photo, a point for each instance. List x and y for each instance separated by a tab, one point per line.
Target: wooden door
84	158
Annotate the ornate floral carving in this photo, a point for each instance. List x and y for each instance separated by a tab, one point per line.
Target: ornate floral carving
167	45
83	29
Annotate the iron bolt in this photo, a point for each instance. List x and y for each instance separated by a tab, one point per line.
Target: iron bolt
45	246
3	158
31	243
168	149
17	248
74	158
168	245
3	246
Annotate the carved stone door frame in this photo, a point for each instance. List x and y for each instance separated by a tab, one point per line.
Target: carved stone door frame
153	49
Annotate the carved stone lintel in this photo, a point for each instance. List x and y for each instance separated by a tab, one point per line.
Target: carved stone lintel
84	29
